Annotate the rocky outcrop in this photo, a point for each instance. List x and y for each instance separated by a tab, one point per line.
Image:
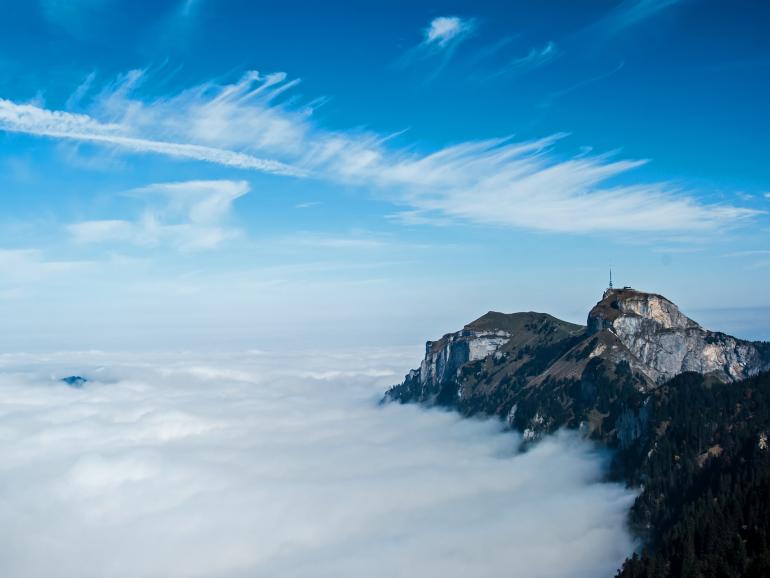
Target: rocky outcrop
666	342
443	358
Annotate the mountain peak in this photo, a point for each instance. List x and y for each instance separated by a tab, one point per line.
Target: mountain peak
641	339
665	342
629	307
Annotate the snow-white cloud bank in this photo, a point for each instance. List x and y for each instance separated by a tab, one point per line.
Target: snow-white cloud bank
281	466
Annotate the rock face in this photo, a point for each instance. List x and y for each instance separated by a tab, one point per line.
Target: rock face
446	374
444	357
666	342
541	373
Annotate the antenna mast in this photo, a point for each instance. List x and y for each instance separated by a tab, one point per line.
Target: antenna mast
610	277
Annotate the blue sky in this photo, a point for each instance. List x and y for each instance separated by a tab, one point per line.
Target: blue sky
239	174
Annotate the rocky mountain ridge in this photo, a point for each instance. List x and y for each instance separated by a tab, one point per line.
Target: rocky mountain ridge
541	373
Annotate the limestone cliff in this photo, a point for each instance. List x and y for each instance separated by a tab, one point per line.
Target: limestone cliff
666	342
443	358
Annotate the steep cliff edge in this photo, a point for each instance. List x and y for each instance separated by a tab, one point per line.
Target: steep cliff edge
445	375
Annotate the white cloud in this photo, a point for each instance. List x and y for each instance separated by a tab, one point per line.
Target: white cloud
517	184
101	231
201	202
32	119
444	30
441	38
281	465
243	115
190	215
524	185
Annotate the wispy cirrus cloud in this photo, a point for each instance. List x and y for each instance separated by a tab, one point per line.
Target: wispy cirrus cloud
36	120
188	215
525	185
557	94
248	126
535	58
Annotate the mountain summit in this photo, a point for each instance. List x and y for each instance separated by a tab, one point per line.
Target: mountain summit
662	342
541	373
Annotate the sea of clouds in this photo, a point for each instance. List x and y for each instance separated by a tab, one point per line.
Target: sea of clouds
281	465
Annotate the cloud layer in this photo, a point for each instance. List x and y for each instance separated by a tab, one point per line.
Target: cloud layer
248	125
281	465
